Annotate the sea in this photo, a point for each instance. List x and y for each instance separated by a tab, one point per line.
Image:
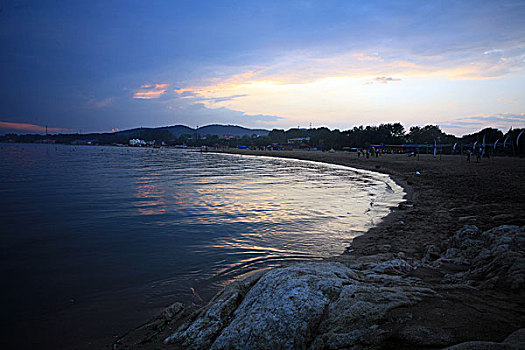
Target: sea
98	240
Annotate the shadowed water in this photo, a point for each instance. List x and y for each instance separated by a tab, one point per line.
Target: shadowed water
95	240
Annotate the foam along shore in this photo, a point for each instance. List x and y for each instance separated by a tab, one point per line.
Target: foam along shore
445	269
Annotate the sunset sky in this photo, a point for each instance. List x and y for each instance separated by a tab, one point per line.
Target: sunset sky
100	66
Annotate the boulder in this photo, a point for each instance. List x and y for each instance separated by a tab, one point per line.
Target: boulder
308	305
515	341
495	258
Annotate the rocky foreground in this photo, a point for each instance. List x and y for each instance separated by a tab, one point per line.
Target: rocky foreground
443	270
371	302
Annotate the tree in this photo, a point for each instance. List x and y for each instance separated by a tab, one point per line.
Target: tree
426	135
491	135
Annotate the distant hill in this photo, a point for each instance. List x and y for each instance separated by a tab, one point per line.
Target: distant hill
239	131
214	129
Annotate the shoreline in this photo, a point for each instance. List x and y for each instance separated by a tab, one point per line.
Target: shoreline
408	191
419	188
427	217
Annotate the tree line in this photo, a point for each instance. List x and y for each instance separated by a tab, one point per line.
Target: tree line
320	138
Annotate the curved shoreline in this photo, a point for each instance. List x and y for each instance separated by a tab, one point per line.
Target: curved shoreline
407	190
438	202
410	194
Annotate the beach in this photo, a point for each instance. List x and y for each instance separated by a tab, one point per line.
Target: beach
447	292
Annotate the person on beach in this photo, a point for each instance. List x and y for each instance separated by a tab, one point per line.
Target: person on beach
468	156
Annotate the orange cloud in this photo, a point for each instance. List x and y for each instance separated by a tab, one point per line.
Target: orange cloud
29	127
149	91
407	64
363	57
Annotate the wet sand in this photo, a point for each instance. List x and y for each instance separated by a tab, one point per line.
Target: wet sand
443	194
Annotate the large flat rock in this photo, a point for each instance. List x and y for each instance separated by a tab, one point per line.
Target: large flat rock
308	305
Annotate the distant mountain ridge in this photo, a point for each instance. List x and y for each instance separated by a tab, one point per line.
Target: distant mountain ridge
213	129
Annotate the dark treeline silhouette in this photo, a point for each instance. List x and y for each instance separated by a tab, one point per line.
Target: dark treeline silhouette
512	142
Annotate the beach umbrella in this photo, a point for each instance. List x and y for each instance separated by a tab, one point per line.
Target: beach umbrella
454	148
505	142
474	146
518	139
506	139
495	143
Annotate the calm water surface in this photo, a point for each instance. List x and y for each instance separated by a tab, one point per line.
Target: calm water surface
96	240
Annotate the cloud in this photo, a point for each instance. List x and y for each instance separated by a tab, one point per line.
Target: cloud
507	100
149	91
96	104
227	98
494	51
186	93
389	64
473	123
501	117
363	57
182	91
263	118
407	64
30	128
385	80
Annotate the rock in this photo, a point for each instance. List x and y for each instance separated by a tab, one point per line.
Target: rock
515	341
316	305
284	309
172	311
496	258
385	248
395	266
200	331
432	253
479	345
424	336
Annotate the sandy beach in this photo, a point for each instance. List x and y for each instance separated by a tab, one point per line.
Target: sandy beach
443	195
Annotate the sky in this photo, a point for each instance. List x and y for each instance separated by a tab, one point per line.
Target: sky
101	66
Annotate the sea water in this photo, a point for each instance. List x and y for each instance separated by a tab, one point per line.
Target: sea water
96	240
